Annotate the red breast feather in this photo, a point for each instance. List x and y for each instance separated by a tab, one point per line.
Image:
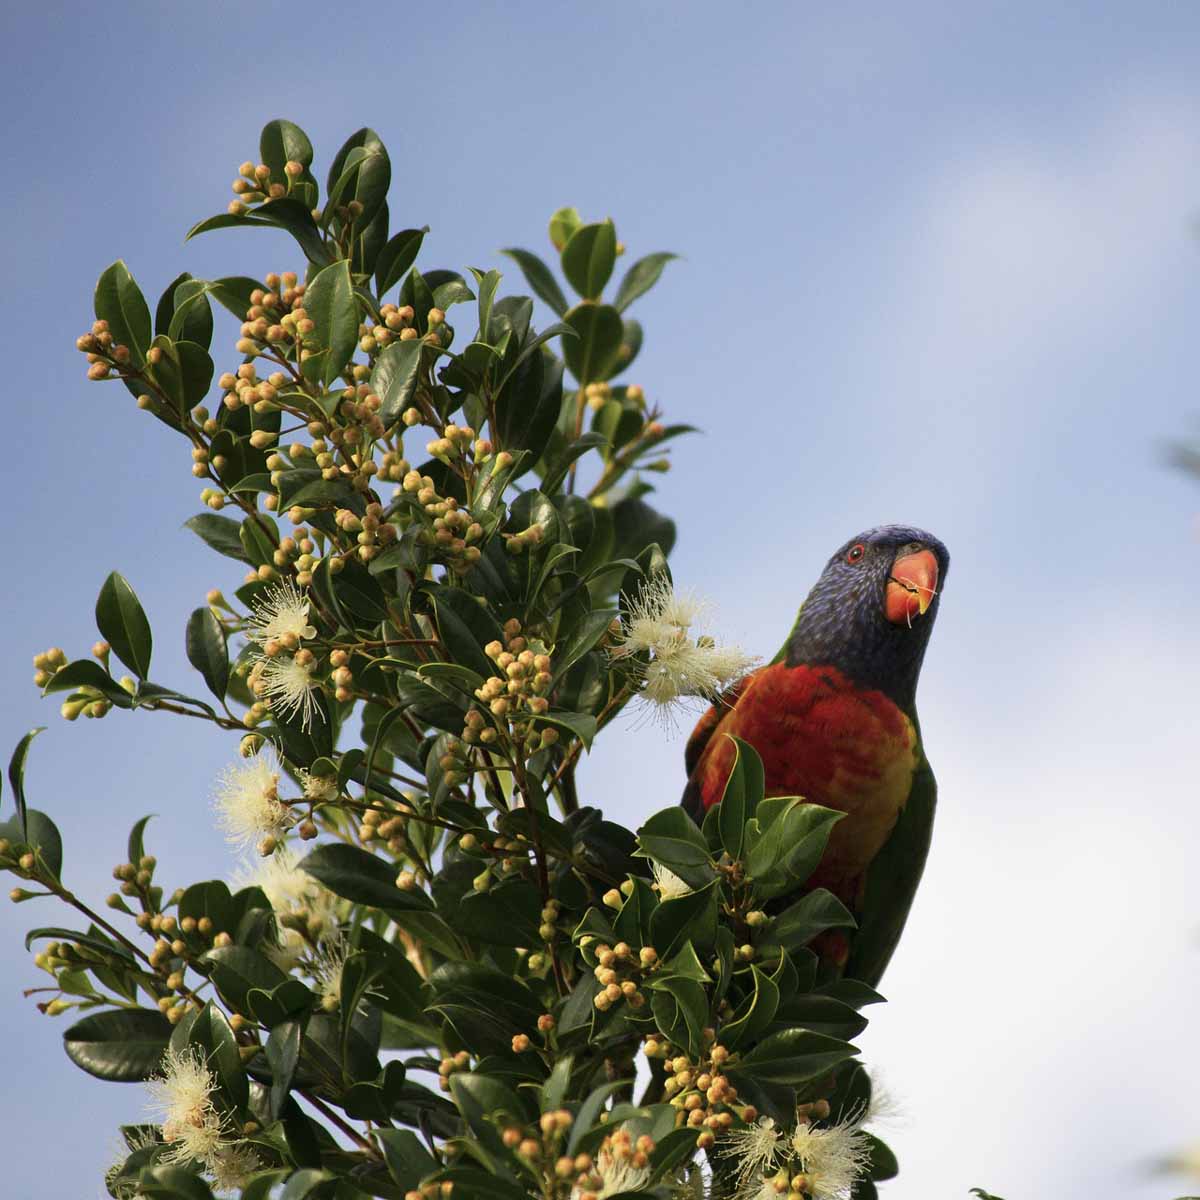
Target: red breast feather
824	739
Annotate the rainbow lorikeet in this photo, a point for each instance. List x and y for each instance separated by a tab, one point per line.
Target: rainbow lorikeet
833	717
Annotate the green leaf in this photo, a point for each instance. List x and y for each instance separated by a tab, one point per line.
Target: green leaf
395	376
87	673
360	171
223	534
184	313
204	642
640	278
285	213
304	1183
282	142
988	1195
408	1161
283	1056
540	278
330	304
166	1182
123	624
791	845
798	924
125	1044
588	258
592	355
361	877
236	969
671	838
16	775
120	302
794	1056
40	834
743	790
136	846
397	256
212	1035
563	224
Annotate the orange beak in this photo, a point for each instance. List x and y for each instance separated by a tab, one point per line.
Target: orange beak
911	587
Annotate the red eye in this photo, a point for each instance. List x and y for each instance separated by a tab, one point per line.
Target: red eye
855	552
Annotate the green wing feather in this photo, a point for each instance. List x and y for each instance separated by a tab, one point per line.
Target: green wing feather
892	881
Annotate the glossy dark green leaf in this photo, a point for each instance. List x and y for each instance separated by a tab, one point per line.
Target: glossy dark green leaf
125	1044
690	917
285	213
304	1183
135	847
397	257
743	790
330	304
361	877
40	834
364	176
167	1182
593	353
465	627
236	969
123	624
588	258
812	914
282	142
394	378
16	774
791	844
233	293
283	1056
87	673
640	278
223	534
794	1056
204	642
540	278
408	1161
120	302
212	1035
192	320
671	838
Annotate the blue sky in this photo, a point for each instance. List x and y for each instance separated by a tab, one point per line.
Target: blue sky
939	267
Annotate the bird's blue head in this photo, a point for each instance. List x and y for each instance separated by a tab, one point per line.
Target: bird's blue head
871	612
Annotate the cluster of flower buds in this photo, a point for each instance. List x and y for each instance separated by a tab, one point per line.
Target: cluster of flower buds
371	531
540	1146
704	1098
451	1066
47	664
512	696
597	395
395	324
103	353
619	970
389	825
516	851
254	185
621	1164
450	530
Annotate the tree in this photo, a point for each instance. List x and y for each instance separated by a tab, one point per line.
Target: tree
440	971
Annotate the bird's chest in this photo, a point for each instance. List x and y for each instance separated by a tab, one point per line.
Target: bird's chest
833	744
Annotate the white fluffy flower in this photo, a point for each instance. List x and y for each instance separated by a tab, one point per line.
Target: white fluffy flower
327	972
756	1148
292	892
247	801
832	1157
287	687
317	788
281	615
681	663
181	1098
231	1167
670	886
